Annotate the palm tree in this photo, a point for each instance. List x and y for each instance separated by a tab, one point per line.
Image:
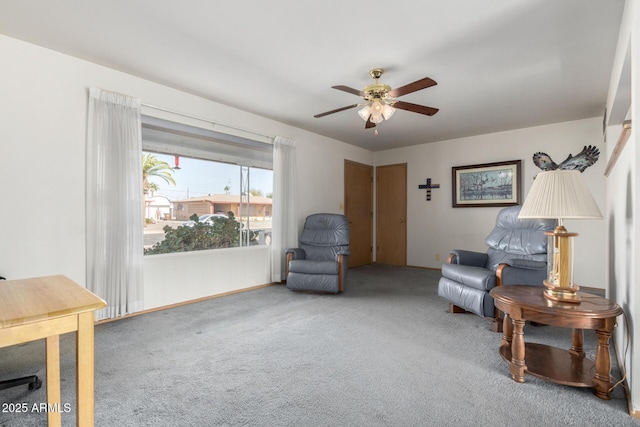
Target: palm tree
153	187
152	166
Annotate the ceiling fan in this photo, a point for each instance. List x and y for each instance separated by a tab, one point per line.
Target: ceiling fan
380	100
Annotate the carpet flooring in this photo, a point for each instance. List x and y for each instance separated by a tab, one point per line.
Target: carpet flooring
384	353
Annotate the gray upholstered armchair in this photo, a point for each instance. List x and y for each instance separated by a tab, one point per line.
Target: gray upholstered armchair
517	255
320	263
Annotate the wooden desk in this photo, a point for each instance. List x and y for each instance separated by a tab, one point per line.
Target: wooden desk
568	367
45	307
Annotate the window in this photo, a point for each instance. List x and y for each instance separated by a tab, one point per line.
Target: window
203	189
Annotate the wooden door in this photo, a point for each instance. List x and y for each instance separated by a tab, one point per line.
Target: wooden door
358	208
391	209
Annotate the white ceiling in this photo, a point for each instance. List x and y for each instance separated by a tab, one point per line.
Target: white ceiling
499	64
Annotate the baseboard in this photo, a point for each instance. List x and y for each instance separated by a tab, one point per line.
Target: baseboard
424	268
180	304
632	412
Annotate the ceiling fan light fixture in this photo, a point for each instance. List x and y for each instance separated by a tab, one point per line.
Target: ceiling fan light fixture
387	111
365	112
376	118
376	111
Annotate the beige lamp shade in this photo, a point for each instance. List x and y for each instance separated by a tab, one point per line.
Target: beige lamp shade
560	194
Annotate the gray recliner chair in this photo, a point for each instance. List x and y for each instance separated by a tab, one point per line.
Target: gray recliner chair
320	263
517	255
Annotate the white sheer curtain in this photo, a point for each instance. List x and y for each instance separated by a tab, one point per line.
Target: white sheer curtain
114	202
284	233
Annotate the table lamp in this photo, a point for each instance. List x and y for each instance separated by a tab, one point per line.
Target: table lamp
560	194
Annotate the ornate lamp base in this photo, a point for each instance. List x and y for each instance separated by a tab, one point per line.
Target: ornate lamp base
561	294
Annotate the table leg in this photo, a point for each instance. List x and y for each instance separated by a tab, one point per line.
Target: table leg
85	369
602	379
507	331
577	340
54	415
517	366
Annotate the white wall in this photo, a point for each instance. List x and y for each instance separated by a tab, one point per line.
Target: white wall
435	227
43	106
623	201
173	278
321	175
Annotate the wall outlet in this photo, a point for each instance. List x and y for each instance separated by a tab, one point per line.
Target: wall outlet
437	257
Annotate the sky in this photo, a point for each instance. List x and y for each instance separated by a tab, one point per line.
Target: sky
202	177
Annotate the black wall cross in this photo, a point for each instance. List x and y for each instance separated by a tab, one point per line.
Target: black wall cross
428	186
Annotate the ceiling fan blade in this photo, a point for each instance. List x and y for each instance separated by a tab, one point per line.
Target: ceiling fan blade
369	123
415	108
337	110
412	87
348	89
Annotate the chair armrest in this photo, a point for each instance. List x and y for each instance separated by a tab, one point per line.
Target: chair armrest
291	254
527	264
521	272
342	268
471	258
297	253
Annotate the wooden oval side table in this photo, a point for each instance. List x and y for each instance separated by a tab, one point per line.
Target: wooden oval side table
569	367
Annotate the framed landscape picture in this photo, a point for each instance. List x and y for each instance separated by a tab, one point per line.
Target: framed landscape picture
489	184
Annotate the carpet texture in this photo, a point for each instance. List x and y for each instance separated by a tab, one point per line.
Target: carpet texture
384	353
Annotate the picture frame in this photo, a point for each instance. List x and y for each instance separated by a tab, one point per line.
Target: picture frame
487	185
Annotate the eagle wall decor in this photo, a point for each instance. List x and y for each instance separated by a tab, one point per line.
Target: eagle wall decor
587	157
